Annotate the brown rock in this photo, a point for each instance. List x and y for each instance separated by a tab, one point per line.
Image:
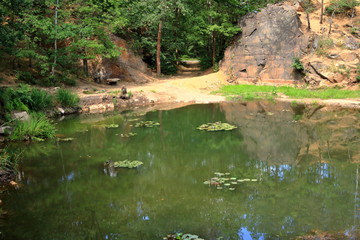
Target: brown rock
348	56
265	50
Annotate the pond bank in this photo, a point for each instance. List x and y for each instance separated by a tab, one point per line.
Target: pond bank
178	91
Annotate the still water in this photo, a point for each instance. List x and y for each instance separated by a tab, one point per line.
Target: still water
306	162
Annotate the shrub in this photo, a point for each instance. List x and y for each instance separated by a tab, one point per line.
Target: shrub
341	6
36	127
66	98
40	99
25	77
297	64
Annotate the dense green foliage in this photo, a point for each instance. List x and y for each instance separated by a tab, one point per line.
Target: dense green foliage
66	98
49	42
341	6
37	127
24	98
261	92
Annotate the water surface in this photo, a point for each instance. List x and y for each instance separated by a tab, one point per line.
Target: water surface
307	173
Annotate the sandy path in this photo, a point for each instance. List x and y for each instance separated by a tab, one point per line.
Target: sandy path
175	89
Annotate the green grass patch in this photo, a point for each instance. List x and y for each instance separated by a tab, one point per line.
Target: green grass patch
252	92
66	98
37	127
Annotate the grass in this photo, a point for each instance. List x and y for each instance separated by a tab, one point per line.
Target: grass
37	127
66	98
250	92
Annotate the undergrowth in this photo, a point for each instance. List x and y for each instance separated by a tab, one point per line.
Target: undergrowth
250	92
66	98
37	127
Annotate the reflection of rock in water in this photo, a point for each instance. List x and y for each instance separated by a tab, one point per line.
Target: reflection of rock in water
109	168
271	134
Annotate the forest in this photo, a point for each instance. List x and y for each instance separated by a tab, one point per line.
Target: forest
48	42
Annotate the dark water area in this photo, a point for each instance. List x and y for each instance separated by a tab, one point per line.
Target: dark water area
306	163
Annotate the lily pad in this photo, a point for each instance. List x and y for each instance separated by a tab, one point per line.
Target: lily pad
231	189
254	180
148	124
127	135
127	164
112	126
219	188
216	126
65	139
207	182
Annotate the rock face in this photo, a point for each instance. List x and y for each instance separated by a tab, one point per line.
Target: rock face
128	67
265	50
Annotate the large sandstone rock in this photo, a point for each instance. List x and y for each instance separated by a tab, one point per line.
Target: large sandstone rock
128	66
265	50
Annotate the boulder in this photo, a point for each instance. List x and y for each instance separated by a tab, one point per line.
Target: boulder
128	67
351	43
265	49
22	116
348	56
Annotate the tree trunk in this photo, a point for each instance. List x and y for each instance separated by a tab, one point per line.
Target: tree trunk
322	11
331	21
86	67
213	49
158	49
308	20
55	42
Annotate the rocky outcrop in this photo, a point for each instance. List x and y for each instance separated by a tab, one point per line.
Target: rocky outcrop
264	51
128	67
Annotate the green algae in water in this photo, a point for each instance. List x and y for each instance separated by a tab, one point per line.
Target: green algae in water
127	164
216	126
147	124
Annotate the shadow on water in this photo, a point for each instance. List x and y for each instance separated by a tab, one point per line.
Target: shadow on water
307	173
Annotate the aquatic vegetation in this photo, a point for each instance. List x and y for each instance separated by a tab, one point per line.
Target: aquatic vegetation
112	126
127	164
37	126
127	135
181	236
148	124
65	139
216	126
221	182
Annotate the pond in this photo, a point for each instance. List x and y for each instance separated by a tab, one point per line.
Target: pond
305	162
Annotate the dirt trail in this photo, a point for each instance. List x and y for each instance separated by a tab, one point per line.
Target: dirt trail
174	89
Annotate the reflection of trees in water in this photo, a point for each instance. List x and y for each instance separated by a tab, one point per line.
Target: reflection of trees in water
299	191
271	134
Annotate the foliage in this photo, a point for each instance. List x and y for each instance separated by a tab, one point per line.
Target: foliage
297	64
66	98
328	93
24	98
36	127
216	126
147	124
127	164
341	6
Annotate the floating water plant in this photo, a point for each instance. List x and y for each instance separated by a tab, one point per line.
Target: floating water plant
127	135
65	139
112	126
148	124
181	236
216	126
228	182
127	164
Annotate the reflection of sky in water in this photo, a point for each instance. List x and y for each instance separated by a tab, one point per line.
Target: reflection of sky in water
68	177
245	234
